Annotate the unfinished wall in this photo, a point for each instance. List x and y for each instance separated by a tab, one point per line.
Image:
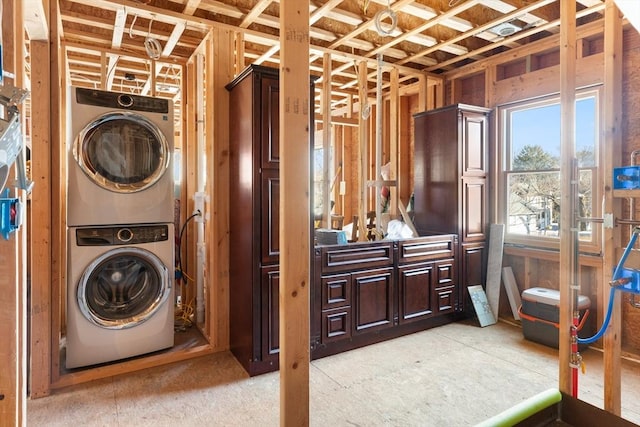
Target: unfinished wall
631	138
534	72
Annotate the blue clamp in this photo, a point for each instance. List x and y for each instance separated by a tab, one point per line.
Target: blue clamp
10	215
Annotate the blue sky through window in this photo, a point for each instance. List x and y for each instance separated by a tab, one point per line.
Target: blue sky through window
541	126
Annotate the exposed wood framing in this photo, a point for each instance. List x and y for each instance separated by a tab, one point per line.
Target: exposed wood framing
394	140
611	237
42	132
326	142
521	35
239	57
568	252
13	387
190	157
295	119
362	158
218	100
254	13
58	197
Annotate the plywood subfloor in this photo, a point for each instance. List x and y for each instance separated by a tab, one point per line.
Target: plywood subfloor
455	375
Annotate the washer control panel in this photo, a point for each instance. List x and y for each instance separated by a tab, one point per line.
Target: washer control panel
121	235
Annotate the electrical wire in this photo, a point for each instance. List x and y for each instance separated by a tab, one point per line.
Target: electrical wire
183	312
381	16
183	315
179	251
135	18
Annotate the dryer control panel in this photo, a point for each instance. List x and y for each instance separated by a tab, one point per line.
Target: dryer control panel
121	235
127	101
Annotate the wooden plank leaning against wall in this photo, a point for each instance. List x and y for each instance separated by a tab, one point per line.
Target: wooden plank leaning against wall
539	267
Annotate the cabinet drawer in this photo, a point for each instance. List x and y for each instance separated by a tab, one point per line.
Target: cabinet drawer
356	257
336	324
445	273
336	291
446	299
426	248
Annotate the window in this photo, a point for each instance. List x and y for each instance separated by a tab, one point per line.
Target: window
530	175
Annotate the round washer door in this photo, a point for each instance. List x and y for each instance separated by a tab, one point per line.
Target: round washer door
123	287
122	152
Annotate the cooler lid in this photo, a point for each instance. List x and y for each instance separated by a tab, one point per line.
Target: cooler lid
551	297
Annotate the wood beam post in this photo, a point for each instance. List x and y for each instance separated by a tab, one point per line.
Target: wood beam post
363	157
58	146
423	88
13	384
222	72
326	141
190	157
611	236
239	47
295	212
42	134
394	139
568	255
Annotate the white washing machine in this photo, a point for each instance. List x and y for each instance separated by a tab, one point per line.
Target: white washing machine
120	149
119	292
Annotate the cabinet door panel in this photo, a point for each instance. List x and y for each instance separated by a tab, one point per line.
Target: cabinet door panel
336	291
474	143
473	270
270	130
270	218
474	219
270	309
373	299
336	324
415	290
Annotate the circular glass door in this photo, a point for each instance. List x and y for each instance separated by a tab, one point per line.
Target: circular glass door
123	288
122	152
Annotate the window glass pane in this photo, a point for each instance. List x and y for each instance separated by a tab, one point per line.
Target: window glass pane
534	203
536	131
586	131
531	160
585	203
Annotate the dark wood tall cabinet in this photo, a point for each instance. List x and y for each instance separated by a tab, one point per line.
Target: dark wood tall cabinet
450	184
254	231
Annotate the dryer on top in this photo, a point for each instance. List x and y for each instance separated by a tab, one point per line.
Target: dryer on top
119	167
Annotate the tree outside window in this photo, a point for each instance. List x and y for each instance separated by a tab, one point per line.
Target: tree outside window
531	157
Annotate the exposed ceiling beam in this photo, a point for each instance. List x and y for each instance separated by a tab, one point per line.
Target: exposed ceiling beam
432	22
322	10
191	7
368	24
479	29
516	36
254	13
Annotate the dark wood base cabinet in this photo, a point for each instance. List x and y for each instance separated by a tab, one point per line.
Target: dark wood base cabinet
361	293
365	293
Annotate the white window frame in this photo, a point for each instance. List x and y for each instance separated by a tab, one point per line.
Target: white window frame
592	246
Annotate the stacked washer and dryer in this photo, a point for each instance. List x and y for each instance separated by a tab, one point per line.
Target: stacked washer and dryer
120	211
